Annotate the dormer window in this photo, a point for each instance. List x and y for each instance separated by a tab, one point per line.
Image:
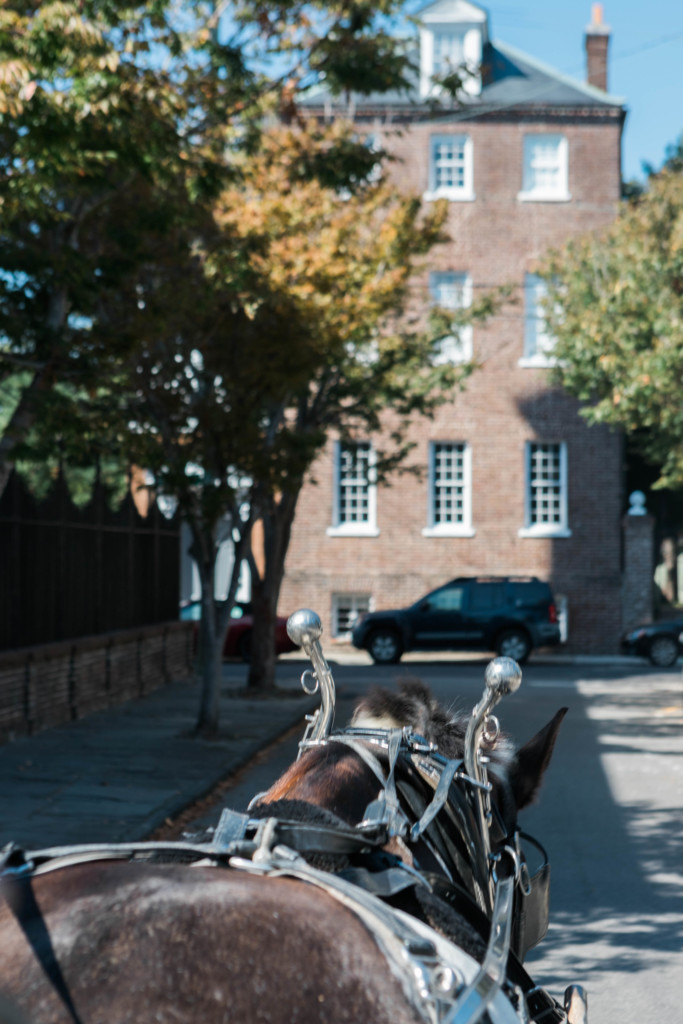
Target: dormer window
449	52
453	34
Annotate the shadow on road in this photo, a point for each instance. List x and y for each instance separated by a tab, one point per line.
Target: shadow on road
612	815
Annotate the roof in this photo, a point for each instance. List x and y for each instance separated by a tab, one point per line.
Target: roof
511	79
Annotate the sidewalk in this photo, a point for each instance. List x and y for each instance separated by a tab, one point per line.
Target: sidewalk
118	774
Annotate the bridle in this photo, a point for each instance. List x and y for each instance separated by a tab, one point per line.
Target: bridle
423	798
482	861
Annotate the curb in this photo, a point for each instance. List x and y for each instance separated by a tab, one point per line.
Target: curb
344	655
176	806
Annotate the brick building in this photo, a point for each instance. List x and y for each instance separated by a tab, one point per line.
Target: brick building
513	479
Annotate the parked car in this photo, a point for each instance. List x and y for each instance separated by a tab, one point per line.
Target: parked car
661	642
507	614
239	636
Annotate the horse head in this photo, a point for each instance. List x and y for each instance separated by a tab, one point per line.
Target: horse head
335	777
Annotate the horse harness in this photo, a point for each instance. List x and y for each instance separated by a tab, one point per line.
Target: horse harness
482	871
444	984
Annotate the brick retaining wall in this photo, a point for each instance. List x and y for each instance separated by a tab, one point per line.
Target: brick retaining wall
50	684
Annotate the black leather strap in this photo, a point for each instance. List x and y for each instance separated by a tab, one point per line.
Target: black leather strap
543	1009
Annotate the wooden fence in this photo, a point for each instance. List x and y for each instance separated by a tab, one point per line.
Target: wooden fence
50	684
71	572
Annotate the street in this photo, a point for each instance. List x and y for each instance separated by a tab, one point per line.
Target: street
610	816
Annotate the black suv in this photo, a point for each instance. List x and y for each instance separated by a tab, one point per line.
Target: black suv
507	614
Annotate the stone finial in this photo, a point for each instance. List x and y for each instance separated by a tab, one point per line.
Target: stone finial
636	505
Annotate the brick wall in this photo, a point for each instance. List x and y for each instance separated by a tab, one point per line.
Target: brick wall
496	239
50	684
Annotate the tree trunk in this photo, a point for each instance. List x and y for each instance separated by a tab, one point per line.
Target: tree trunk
211	658
263	658
277	528
215	618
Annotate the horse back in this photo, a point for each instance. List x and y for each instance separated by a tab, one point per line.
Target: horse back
116	942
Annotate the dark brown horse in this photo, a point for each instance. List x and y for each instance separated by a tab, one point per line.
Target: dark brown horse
265	927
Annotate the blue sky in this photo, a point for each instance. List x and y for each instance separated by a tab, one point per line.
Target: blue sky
645	60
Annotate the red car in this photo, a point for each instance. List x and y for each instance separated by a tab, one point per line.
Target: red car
238	638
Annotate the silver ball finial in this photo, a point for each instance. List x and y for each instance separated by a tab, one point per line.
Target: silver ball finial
304	626
503	676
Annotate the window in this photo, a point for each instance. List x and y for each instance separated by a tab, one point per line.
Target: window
546	490
449	513
355	493
450	168
545	174
486	596
451	290
346	608
447	600
538	341
449	52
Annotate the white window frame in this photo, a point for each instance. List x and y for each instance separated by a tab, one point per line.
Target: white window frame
532	191
454	348
454	193
452	39
560	485
358	602
463	528
368	527
538	341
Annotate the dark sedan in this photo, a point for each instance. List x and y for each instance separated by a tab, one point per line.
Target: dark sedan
239	636
661	642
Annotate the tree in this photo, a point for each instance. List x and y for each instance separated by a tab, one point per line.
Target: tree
285	324
615	305
189	297
103	104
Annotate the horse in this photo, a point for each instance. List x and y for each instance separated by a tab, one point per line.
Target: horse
381	878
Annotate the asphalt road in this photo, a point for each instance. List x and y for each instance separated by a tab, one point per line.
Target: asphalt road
610	815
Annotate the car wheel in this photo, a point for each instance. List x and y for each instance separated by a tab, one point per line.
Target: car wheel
514	643
244	649
663	651
385	647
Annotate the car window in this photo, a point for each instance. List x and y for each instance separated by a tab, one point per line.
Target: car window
447	600
532	593
486	596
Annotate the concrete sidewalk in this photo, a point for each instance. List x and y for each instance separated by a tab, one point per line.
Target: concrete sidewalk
117	775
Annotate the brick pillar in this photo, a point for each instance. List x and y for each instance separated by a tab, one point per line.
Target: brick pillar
637	584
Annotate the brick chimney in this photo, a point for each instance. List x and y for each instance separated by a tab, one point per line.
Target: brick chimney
597	41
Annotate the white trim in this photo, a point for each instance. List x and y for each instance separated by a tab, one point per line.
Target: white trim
543	531
459	194
536	362
540	530
354	529
358	601
460	343
450	529
559	194
538	342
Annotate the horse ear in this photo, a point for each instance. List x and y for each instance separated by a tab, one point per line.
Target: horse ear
532	760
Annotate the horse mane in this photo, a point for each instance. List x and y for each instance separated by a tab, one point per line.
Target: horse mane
413	705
